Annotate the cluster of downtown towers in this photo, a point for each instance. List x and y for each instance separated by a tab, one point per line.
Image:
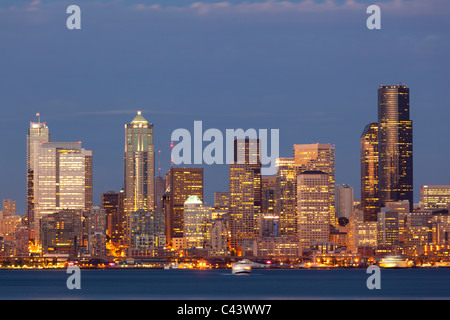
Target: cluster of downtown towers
301	196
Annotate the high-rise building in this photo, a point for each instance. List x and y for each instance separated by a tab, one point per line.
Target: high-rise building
96	231
344	201
395	145
9	208
286	196
313	207
218	234
62	232
318	157
435	197
139	164
146	229
160	189
221	200
62	174
370	197
184	182
419	230
38	133
268	188
402	208
113	204
245	193
196	219
387	227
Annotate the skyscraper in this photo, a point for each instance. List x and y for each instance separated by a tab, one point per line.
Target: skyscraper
62	179
344	201
139	164
38	133
245	193
113	204
196	219
286	196
318	157
183	183
370	197
96	231
395	142
9	208
313	207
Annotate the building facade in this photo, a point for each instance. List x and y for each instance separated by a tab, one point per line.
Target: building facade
395	145
313	207
318	157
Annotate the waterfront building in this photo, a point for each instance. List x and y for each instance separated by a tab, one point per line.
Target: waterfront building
361	233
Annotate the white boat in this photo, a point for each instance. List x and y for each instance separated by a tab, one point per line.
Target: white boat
241	267
394	262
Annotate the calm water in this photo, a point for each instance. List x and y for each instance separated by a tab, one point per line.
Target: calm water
221	284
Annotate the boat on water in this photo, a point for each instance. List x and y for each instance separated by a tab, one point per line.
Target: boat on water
241	267
394	262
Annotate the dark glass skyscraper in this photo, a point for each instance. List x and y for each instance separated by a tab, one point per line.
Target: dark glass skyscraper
395	140
370	199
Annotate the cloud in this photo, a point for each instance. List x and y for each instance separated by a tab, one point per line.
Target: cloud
400	7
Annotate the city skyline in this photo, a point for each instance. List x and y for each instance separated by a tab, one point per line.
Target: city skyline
270	77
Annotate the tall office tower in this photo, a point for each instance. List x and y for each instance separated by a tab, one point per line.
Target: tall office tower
268	187
196	219
113	204
245	193
9	208
286	196
184	182
221	200
62	232
62	179
139	162
370	197
395	145
37	134
344	201
318	157
435	197
313	207
96	231
160	189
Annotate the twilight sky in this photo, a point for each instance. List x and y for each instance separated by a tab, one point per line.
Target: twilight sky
310	68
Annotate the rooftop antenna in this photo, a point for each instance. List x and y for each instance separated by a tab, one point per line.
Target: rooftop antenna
39	117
